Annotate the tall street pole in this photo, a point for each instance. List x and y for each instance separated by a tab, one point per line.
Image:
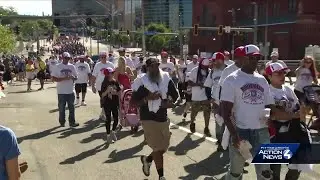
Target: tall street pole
266	45
131	16
143	30
255	20
233	34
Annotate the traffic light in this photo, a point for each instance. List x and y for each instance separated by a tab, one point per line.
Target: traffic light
128	32
220	30
56	22
89	22
196	29
17	30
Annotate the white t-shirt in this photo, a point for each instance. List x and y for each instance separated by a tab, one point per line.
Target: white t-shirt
228	62
284	98
198	93
130	63
167	67
98	73
181	69
83	70
212	82
191	65
63	70
249	93
227	71
304	78
277	61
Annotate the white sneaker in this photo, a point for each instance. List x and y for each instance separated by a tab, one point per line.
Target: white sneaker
77	101
109	139
113	136
83	103
145	166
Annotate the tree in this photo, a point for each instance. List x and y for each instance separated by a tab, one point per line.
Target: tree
28	28
7	11
8	42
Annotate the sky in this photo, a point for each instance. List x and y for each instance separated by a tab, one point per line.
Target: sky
29	7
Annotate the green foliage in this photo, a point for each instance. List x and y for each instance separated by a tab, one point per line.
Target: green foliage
30	28
8	42
155	43
7	11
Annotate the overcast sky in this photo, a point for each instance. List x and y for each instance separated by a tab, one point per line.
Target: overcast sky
29	7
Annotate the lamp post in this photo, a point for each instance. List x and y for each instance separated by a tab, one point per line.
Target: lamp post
233	14
255	21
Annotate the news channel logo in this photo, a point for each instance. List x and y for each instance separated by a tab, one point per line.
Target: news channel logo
275	153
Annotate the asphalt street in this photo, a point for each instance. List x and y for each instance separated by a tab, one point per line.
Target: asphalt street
82	153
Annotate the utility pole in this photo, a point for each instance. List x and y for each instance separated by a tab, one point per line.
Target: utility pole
98	39
131	15
255	20
233	11
266	44
143	30
112	15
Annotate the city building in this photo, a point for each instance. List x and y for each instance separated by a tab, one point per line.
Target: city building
286	25
172	13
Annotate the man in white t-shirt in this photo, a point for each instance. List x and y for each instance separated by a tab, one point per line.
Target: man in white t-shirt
165	65
65	74
98	76
84	73
245	95
212	82
227	60
194	63
52	62
201	95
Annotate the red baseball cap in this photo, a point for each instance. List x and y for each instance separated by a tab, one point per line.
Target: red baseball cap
252	50
218	55
108	71
275	67
226	53
239	51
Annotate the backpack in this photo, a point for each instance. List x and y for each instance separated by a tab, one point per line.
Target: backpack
129	111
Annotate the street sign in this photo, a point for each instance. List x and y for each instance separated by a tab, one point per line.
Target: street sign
150	33
227	29
185	49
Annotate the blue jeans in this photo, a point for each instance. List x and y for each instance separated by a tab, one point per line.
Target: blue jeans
64	99
256	137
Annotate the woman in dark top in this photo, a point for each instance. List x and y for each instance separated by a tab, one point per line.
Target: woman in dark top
110	89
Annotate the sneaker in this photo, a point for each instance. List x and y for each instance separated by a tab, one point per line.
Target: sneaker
109	139
145	166
83	103
77	101
207	132
193	127
184	115
162	178
113	136
62	125
74	125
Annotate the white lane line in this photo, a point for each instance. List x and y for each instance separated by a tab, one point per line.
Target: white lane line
213	140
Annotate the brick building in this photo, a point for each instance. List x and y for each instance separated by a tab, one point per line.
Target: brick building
291	24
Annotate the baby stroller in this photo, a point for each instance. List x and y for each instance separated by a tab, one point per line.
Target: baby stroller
128	112
312	100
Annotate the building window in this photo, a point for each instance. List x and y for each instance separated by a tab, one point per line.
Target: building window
276	9
292	5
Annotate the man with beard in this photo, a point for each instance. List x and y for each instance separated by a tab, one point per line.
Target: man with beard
201	95
154	92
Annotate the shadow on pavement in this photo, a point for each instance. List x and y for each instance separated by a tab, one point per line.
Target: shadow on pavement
103	136
186	145
205	167
125	154
21	92
40	135
88	126
57	110
85	154
178	110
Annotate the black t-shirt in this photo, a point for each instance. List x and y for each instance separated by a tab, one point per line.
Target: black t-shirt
110	86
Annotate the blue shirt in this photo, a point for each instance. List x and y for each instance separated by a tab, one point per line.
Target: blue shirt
8	149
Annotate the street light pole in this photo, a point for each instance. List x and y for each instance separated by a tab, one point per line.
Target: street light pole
266	33
255	20
143	30
233	24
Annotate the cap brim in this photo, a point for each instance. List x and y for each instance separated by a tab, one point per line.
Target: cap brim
254	54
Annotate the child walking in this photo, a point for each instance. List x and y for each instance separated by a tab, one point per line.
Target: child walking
110	89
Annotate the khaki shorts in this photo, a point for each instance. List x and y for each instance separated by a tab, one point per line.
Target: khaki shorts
157	134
